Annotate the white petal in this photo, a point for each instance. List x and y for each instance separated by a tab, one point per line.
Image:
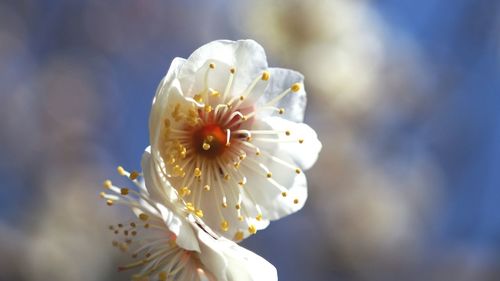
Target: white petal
170	95
229	262
295	102
216	79
157	186
158	192
247	56
162	93
303	154
212	218
186	238
247	266
274	205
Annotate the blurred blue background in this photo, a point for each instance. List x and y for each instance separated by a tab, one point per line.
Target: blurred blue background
403	94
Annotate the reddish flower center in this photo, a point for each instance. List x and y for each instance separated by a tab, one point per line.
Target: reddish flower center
210	140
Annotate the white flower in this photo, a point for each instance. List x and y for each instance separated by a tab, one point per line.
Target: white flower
226	131
168	243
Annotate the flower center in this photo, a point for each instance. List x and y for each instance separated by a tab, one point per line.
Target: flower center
210	140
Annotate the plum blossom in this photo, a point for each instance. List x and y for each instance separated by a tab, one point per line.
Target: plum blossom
167	242
227	138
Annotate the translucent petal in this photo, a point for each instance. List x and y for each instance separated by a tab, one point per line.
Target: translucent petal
162	93
303	154
294	103
246	56
229	262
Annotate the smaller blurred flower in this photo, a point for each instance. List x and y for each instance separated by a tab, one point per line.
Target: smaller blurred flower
227	136
170	243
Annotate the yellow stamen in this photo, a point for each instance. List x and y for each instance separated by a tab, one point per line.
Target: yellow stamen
238	236
265	75
252	229
224	225
120	170
107	184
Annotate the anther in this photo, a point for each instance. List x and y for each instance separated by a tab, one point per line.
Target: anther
287	133
224	225
198	98
214	93
265	75
281	110
143	217
232	70
283	194
162	276
134	175
199	213
296	201
197	172
237	206
212	66
297	171
259	217
120	170
109	202
107	184
295	87
252	229
124	191
238	236
206	146
206	187
185	191
224	205
269	175
301	141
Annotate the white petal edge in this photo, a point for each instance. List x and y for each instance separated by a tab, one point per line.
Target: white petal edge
247	56
161	95
294	103
158	191
238	263
303	154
